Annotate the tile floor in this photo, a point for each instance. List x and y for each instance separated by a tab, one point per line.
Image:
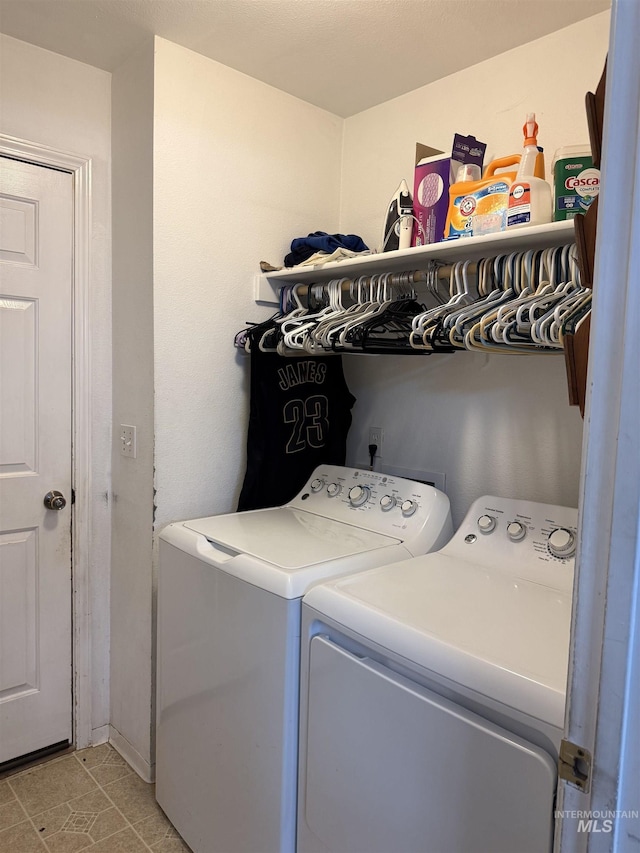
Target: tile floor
87	800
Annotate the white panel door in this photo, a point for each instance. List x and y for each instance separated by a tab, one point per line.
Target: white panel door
36	215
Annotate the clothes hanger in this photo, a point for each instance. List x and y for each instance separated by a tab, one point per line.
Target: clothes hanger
564	313
383	298
491	276
540	305
516	278
541	327
336	288
511	284
364	298
572	323
431	318
334	319
249	336
525	290
388	313
433	280
534	318
388	331
436	329
295	329
494	295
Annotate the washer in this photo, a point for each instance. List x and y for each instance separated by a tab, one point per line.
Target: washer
433	692
229	601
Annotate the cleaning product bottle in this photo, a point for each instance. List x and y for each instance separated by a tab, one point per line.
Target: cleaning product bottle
529	196
576	182
487	195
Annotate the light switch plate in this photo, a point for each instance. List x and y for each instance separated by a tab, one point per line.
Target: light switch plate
128	440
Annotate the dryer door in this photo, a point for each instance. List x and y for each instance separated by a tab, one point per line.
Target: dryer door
388	765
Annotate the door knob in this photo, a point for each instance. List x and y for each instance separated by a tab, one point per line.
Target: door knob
54	500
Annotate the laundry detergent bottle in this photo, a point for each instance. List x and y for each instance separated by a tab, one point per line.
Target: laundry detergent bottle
530	199
470	198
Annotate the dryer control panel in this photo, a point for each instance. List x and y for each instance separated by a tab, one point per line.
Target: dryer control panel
410	511
530	540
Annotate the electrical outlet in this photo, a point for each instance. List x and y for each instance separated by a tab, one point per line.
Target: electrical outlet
376	436
128	440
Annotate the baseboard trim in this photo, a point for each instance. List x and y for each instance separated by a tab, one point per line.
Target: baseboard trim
131	755
100	735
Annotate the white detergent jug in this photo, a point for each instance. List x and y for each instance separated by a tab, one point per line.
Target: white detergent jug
530	200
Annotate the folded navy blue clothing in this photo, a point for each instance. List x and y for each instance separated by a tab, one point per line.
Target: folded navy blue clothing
303	247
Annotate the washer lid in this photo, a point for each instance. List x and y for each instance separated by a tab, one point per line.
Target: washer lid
496	634
288	538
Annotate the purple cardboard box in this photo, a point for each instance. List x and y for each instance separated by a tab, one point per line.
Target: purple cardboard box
432	177
434	174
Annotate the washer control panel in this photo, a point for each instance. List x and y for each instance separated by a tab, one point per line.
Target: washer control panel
532	540
380	502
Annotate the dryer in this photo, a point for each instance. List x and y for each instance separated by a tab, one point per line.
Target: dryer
433	692
229	601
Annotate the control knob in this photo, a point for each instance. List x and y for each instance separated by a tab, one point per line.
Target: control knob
486	524
387	502
317	484
359	495
408	508
516	531
334	489
562	542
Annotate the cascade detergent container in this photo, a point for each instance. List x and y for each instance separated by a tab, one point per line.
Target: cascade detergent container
576	181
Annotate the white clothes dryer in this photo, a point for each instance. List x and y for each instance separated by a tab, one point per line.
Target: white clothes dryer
433	692
229	600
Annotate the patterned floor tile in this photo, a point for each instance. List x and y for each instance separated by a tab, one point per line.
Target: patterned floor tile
79	823
54	820
68	842
107	823
48	786
93	756
171	845
122	842
11	813
81	830
104	763
6	793
154	829
90	801
21	839
135	798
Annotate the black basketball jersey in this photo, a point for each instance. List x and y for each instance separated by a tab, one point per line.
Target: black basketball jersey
299	417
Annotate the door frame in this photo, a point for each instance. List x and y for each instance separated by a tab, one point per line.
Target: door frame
80	169
604	670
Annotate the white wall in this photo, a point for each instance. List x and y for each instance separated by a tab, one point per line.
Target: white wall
50	100
493	424
240	168
213	171
132	516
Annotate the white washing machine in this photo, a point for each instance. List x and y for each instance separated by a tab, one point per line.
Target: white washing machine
432	692
229	601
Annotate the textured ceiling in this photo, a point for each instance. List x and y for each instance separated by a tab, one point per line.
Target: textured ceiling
341	55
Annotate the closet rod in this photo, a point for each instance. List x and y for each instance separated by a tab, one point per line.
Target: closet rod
442	271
